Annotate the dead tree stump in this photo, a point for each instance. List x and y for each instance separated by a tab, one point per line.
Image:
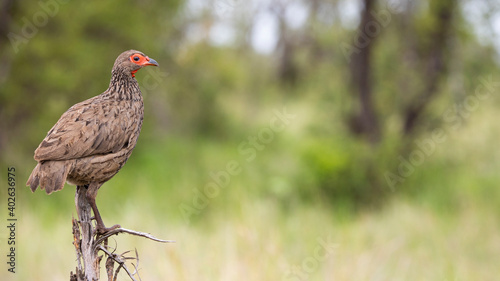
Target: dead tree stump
88	244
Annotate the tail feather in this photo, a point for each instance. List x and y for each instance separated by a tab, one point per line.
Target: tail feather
49	175
34	179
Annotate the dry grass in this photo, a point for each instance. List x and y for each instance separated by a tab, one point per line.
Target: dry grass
258	242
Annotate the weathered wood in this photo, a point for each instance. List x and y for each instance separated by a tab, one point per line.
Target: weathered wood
88	252
132	232
78	275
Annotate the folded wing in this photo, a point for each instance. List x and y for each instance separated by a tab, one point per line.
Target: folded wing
87	128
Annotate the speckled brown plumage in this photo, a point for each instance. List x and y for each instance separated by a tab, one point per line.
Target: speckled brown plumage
94	138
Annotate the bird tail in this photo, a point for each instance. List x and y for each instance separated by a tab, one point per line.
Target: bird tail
49	175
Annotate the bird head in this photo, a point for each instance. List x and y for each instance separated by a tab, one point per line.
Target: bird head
131	61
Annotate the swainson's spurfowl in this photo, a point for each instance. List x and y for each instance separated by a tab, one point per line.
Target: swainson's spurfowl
94	138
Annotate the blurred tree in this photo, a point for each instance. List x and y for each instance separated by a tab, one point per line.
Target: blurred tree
287	69
426	45
60	53
430	56
399	67
365	122
6	11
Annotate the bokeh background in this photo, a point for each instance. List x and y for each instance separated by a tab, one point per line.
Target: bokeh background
283	139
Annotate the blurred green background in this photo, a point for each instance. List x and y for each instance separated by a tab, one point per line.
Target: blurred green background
282	139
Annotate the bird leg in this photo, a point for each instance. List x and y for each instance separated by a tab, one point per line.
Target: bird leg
91	195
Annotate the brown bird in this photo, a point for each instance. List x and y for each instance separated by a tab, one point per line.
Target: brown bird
94	138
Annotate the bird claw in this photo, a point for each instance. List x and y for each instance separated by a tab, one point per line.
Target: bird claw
103	230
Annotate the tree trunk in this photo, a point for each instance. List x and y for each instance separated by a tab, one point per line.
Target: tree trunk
365	122
88	253
435	61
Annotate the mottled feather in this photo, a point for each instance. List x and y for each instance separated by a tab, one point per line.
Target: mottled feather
87	129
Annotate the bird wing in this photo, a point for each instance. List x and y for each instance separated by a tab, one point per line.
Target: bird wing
88	128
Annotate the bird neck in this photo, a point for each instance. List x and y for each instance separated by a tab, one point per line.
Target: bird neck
123	86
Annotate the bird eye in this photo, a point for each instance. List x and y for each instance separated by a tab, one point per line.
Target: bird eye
136	58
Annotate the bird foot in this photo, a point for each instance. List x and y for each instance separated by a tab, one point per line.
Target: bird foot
101	229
